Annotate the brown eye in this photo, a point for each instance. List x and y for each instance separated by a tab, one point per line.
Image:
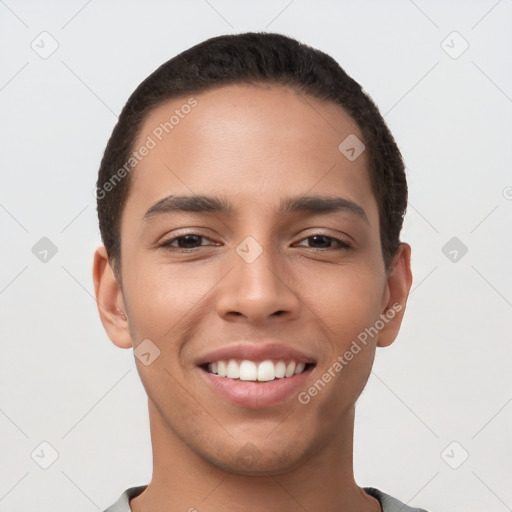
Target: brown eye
325	242
189	241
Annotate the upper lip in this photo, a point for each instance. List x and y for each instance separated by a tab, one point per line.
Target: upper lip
255	352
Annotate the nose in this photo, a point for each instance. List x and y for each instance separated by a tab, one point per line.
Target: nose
258	291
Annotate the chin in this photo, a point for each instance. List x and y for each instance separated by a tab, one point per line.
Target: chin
253	459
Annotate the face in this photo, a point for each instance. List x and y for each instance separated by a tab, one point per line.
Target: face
278	271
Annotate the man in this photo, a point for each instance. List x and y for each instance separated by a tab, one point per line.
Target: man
250	202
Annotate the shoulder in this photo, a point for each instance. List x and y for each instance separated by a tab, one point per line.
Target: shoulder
123	503
390	504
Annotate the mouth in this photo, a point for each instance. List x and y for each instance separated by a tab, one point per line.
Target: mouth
256	376
255	371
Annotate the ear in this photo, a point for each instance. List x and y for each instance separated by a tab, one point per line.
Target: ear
398	285
109	299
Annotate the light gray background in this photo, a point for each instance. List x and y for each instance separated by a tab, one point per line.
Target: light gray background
447	376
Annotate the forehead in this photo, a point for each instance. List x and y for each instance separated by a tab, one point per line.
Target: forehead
254	143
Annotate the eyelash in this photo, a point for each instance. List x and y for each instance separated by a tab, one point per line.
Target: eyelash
343	245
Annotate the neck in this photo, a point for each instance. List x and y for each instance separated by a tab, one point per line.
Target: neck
183	481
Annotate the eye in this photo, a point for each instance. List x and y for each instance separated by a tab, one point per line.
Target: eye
185	242
324	241
191	241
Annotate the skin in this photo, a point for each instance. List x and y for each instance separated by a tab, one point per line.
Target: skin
253	145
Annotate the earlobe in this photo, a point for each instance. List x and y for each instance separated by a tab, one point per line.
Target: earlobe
109	300
399	283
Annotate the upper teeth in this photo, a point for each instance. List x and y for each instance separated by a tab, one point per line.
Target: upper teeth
250	370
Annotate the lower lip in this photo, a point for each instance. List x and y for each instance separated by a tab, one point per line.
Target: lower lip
256	394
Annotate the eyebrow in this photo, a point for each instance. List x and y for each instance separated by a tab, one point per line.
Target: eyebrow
218	205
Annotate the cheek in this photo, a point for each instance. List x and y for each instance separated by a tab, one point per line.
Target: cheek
346	307
163	298
347	300
348	304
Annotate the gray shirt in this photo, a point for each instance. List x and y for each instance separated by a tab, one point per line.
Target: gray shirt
388	503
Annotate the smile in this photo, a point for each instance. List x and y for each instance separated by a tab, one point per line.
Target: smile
255	374
264	371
